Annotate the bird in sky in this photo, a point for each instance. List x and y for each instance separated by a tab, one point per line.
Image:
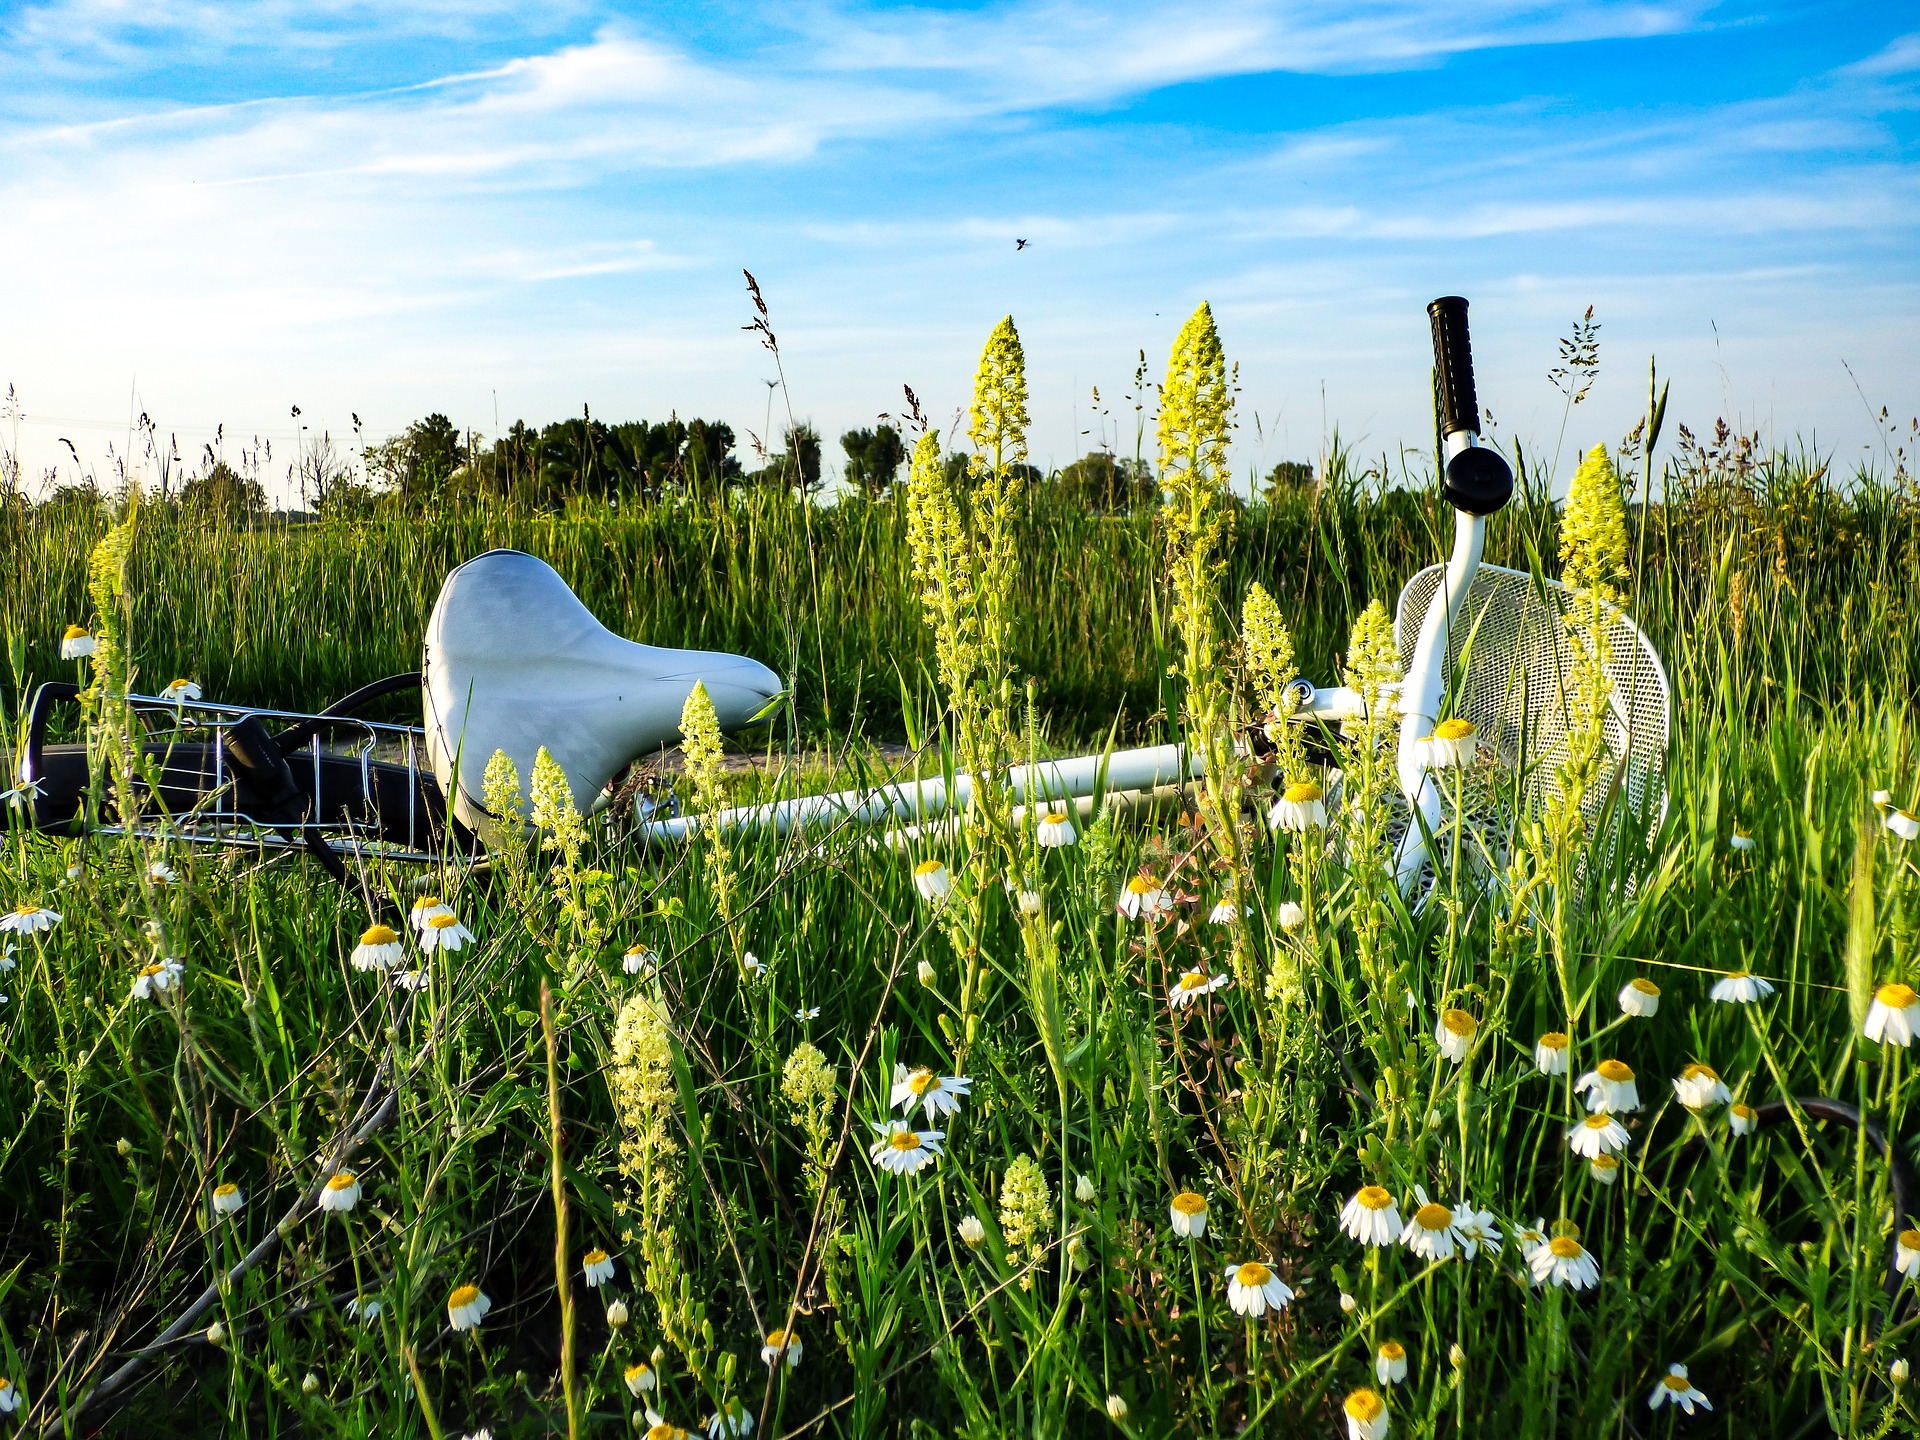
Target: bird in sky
1019	244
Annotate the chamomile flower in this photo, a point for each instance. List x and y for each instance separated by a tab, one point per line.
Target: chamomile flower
1390	1362
1253	1289
779	1343
1563	1260
1476	1229
1055	830
1189	1212
1191	986
903	1150
7	961
1027	901
730	1421
640	1378
617	1316
1701	1088
410	980
1903	823
425	908
379	949
1894	1015
467	1306
1598	1134
639	960
972	1233
1530	1238
1677	1389
659	1429
29	919
755	966
227	1199
1300	808
12	1397
1609	1086
1290	916
1906	1253
77	643
366	1311
1085	1191
1454	1032
934	1093
1740	987
341	1192
931	879
1740	840
1143	896
1366	1416
1640	998
1224	913
180	690
1429	1233
1604	1168
598	1266
804	1013
1741	1118
1371	1216
1882	798
443	932
156	979
925	972
1452	743
1551	1052
1116	1408
22	796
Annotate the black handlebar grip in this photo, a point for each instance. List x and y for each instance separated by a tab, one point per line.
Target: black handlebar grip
1453	365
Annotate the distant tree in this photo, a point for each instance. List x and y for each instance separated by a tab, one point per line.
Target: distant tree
418	464
223	493
1287	478
796	467
710	462
873	459
959	461
1104	484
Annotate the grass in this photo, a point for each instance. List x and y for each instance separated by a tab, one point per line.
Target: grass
535	1100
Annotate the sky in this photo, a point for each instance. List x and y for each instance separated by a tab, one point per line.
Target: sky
213	214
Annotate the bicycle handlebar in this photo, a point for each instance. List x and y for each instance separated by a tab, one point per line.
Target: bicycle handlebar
1478	481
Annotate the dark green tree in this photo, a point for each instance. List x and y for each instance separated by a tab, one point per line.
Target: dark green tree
1104	484
873	459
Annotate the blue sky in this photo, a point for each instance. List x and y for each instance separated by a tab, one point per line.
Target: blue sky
213	213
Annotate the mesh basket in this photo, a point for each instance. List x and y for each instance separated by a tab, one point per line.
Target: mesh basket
1515	689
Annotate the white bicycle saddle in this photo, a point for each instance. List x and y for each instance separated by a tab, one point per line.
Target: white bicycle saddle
514	661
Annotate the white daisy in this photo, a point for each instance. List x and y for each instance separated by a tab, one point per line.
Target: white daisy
1701	1088
971	1231
903	1150
1674	1386
1085	1191
1640	998
22	796
1189	1213
425	908
156	979
639	960
931	879
1366	1416
1530	1238
443	932
1253	1289
1609	1086
779	1343
341	1192
730	1421
1604	1168
1390	1362
379	949
598	1266
29	919
1224	913
1371	1216
1739	987
1598	1134
926	973
1300	808
936	1094
1454	1032
1551	1052
659	1429
1741	1118
804	1013
367	1310
77	643
1906	1253
1116	1409
1055	830
12	1397
1290	916
1903	823
1893	1017
1429	1233
1563	1260
1740	840
640	1378
410	980
1452	743
227	1199
1883	798
617	1315
1476	1229
467	1306
1143	896
1191	986
754	964
1028	901
7	961
180	690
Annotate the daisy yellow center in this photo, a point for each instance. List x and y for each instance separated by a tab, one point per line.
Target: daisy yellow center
1253	1274
1459	1022
1453	729
378	935
1433	1217
1188	1203
920	1081
1745	1112
153	969
1374	1197
1554	1040
1605	1162
464	1296
1615	1070
1676	1382
595	1257
340	1180
427	902
1302	792
1392	1350
23	908
663	1431
442	922
777	1338
1896	997
1699	1072
1739	974
1910	1239
1565	1246
179	684
634	1372
222	1191
905	1141
1056	817
928	867
75	632
1646	987
1599	1121
1140	885
1192	980
1365	1406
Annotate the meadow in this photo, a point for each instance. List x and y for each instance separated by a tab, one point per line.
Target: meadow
1183	1124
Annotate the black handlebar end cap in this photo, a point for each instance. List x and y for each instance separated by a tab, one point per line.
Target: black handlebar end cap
1479	482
